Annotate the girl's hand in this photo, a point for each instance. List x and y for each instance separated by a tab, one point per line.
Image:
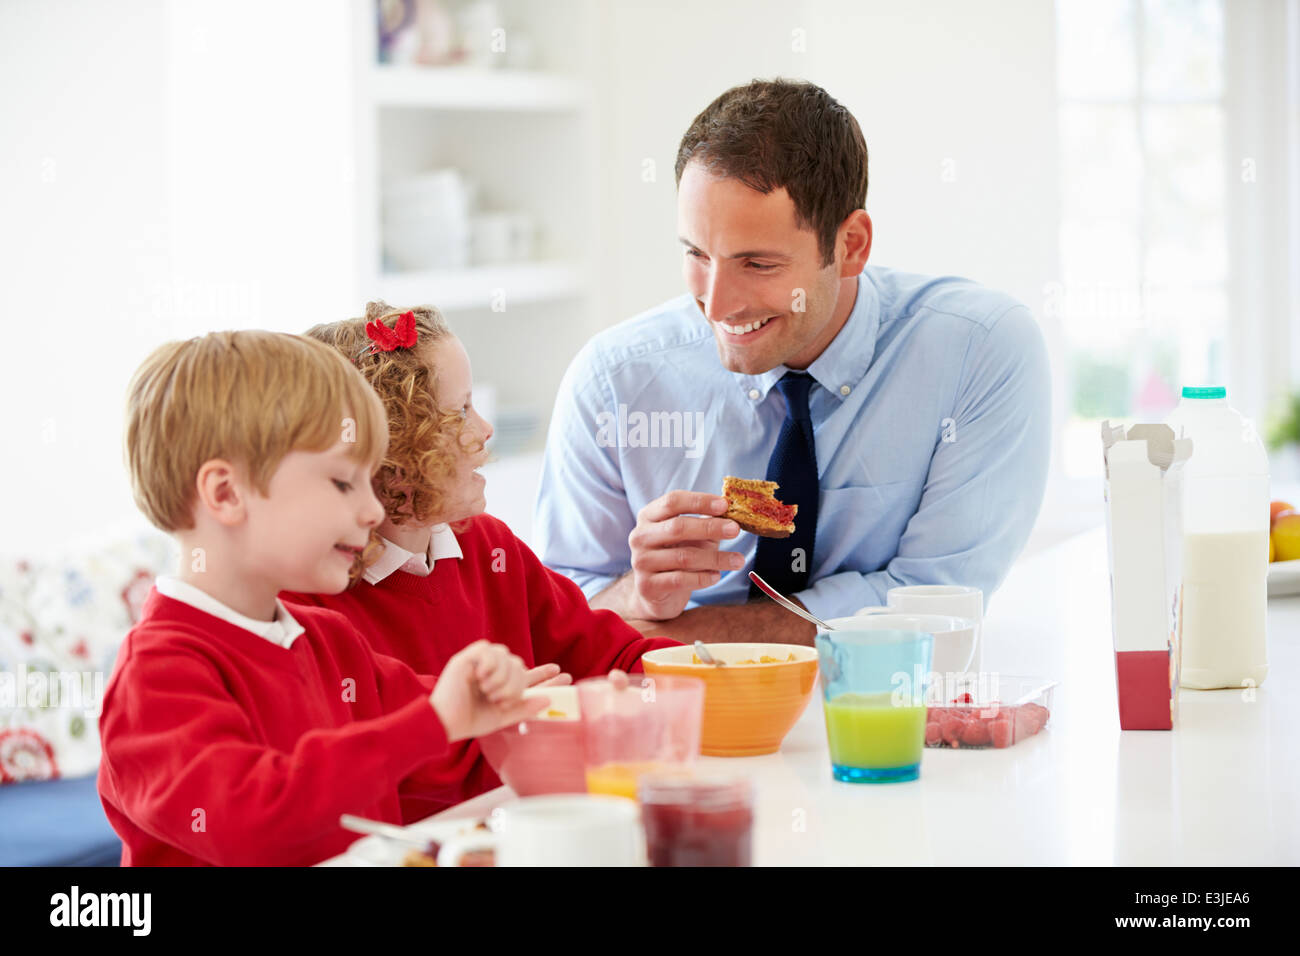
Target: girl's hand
479	691
548	675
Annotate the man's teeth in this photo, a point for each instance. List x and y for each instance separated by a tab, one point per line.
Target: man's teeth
742	329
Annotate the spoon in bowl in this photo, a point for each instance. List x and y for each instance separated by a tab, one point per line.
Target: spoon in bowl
705	657
786	603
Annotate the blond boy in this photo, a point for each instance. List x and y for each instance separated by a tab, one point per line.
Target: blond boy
233	731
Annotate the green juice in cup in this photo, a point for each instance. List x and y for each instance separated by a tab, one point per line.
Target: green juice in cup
867	732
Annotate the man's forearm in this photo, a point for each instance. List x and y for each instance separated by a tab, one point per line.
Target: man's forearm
761	621
617	597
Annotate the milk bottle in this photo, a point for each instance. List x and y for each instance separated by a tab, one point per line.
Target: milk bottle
1225	543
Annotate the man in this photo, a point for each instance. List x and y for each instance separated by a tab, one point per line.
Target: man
907	416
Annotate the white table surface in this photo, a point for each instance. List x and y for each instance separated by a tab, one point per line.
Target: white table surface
1222	788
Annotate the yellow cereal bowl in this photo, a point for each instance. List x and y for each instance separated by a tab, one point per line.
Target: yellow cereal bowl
748	708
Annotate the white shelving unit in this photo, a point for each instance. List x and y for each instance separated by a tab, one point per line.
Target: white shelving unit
482	287
470	88
527	139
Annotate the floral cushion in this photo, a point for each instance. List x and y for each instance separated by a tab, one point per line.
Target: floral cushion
61	622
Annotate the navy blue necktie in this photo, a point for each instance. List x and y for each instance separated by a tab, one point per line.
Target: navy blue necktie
784	563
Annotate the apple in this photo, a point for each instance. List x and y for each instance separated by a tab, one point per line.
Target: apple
1275	508
1286	536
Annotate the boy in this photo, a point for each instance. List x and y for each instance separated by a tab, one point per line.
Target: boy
233	731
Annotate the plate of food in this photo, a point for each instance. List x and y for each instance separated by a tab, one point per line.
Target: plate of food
417	847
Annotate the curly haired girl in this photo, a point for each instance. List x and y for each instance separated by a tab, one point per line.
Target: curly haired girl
442	573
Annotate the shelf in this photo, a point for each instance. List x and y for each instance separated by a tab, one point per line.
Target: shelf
470	88
475	288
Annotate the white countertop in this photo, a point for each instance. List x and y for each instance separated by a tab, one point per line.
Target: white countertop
1222	788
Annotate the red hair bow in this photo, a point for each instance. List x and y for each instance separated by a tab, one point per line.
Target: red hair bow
401	336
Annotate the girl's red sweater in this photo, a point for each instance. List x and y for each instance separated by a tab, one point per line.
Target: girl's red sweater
497	591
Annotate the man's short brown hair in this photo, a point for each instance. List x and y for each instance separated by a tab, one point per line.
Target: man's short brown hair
778	133
250	397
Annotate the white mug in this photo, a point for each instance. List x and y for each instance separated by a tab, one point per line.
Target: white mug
952	599
492	238
954	637
580	829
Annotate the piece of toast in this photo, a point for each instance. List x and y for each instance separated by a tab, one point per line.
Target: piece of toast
753	506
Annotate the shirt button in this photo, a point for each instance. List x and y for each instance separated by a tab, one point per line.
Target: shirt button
753	393
844	390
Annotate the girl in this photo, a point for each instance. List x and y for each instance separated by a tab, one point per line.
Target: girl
441	573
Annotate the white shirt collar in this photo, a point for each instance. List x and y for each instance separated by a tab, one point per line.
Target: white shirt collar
282	631
442	544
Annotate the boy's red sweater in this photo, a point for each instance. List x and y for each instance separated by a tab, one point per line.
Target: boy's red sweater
497	591
220	747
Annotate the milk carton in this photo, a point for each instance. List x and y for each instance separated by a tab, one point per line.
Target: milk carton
1144	543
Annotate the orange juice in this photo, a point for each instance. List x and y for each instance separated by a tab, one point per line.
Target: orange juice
619	779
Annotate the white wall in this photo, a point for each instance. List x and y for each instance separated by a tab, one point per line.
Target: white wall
170	168
936	85
165	169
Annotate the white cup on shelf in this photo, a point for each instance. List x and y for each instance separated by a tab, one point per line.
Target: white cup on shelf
491	238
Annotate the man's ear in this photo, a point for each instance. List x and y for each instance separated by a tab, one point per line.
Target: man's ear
221	491
855	233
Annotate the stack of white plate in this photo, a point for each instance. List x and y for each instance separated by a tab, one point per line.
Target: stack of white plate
426	221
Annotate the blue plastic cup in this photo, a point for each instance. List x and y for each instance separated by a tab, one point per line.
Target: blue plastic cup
873	695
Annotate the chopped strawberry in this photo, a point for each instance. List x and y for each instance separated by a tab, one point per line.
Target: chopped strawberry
950	725
976	733
1002	731
1039	715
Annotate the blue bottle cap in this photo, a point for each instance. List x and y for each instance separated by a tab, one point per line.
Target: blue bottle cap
1217	391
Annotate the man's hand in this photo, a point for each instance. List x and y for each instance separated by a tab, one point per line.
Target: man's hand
674	553
479	691
760	621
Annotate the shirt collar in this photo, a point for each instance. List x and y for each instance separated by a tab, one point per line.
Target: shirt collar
845	360
282	631
442	544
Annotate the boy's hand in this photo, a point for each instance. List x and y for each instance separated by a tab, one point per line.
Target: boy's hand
479	692
548	675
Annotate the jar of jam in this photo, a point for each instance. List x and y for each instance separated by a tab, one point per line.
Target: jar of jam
694	820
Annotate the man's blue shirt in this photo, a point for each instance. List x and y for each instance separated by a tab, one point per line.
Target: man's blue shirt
932	418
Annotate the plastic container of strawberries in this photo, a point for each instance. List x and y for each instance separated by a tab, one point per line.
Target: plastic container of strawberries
990	715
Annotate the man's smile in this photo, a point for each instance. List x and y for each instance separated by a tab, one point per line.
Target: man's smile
745	332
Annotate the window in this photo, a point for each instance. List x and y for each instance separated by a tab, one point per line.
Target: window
1143	296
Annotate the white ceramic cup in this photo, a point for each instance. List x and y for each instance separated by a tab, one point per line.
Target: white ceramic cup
492	238
954	637
581	829
952	599
523	237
